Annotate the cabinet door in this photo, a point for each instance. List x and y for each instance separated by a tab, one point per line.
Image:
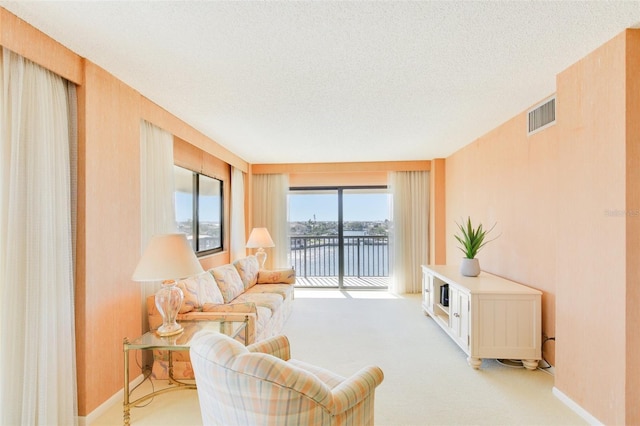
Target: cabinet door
427	292
459	316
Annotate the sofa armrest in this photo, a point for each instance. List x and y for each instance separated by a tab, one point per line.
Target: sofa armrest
229	308
229	312
277	346
210	311
355	388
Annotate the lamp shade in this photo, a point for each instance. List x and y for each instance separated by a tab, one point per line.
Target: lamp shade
167	257
259	238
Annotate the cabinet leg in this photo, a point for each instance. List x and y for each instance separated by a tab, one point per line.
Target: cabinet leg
475	362
530	364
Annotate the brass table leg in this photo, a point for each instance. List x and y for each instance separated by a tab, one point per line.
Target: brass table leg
171	379
126	407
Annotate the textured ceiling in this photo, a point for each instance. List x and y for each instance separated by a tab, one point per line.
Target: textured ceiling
278	82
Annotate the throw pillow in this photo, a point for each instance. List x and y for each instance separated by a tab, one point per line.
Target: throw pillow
248	269
229	282
209	291
285	276
199	290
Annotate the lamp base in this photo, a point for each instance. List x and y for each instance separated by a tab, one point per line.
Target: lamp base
168	301
261	255
170	330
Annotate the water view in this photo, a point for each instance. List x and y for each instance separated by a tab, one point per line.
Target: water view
315	248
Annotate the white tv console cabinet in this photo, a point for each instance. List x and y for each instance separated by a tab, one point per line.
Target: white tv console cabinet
487	316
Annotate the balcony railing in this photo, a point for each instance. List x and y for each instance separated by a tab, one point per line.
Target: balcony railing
364	256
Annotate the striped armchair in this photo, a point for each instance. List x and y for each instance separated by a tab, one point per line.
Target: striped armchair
261	385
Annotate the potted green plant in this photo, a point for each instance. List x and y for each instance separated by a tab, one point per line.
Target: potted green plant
471	241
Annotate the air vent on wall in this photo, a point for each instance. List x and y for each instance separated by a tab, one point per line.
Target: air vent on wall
541	116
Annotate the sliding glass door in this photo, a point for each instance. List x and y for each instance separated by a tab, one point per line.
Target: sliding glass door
313	233
366	219
339	236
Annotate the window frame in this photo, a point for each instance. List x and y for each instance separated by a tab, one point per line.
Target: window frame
196	213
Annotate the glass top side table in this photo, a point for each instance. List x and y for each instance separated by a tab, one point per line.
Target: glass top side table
180	342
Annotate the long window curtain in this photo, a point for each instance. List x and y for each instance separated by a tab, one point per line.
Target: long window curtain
270	211
37	333
238	241
410	234
156	193
156	182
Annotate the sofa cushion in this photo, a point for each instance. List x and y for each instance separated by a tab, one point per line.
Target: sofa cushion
199	290
248	269
268	300
285	276
229	282
284	290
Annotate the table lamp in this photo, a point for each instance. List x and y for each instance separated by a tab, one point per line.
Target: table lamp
168	258
260	238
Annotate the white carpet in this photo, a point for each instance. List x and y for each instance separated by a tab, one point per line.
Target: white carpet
427	379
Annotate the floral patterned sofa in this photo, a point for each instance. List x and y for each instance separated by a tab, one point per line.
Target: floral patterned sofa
233	292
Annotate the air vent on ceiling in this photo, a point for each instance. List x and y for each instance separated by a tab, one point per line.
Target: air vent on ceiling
541	116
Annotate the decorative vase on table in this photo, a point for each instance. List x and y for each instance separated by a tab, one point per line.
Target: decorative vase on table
471	240
470	267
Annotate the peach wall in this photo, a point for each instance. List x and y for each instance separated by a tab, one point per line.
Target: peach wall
322	168
591	240
340	174
504	178
633	228
22	38
437	212
338	179
109	170
560	199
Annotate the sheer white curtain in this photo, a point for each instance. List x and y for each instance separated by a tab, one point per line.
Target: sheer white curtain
37	333
157	212
410	234
270	211
238	241
156	182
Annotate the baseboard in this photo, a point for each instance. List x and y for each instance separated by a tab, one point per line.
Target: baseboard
576	408
117	398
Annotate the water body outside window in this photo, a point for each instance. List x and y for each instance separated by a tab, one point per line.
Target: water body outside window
340	236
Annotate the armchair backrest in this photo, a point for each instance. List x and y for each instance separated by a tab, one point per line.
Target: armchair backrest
239	387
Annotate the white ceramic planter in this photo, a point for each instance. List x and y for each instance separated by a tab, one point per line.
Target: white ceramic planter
470	267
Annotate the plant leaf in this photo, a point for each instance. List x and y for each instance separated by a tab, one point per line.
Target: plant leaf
472	239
